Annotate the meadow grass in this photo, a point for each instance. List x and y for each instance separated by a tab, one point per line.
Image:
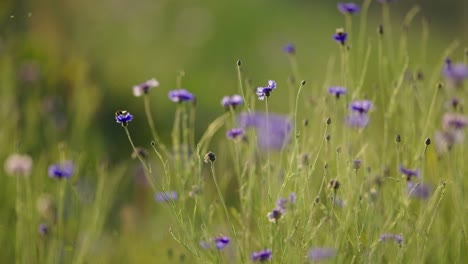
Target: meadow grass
375	174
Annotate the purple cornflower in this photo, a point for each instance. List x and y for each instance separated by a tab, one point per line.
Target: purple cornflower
123	117
337	91
273	130
454	121
232	101
181	95
321	253
357	120
289	49
263	255
340	36
409	172
61	170
275	215
235	133
455	73
162	197
418	190
444	140
387	237
348	8
43	229
283	202
292	198
221	242
360	106
143	88
357	164
266	91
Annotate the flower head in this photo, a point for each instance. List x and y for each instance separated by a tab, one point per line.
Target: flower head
123	117
275	215
387	237
321	253
418	190
232	101
17	164
162	197
348	8
266	91
409	172
43	229
235	133
143	88
61	170
360	106
263	255
355	120
444	140
455	73
221	242
289	49
340	36
337	91
454	121
181	95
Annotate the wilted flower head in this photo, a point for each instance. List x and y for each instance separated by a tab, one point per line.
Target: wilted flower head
266	91
289	48
273	130
275	215
418	190
17	164
387	237
321	253
337	91
232	101
143	88
235	133
61	170
221	242
161	197
409	172
340	36
181	95
123	117
360	106
454	121
348	8
455	73
263	255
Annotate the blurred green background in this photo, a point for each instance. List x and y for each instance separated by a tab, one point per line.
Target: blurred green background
97	50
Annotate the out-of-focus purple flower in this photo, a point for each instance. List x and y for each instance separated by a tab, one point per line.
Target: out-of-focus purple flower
289	48
337	91
409	172
292	198
123	117
17	164
275	215
43	229
204	244
455	73
321	253
232	101
221	242
273	130
357	120
360	106
387	237
143	88
444	140
282	203
454	121
418	190
162	197
263	255
181	95
348	8
61	170
357	164
266	91
235	133
340	36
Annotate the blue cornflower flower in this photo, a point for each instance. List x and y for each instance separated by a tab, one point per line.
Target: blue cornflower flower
357	120
337	91
283	202
43	229
360	106
221	242
397	238
143	88
61	170
418	190
275	215
181	95
455	73
166	196
348	8
235	133
409	172
266	91
123	117
263	255
454	121
289	48
340	36
232	101
321	253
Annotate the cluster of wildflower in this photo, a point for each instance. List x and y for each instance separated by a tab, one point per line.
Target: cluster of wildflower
358	116
415	188
452	132
277	213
